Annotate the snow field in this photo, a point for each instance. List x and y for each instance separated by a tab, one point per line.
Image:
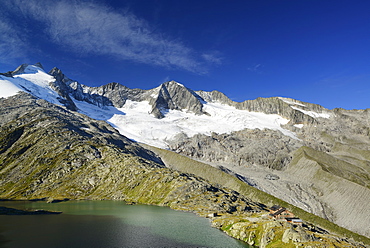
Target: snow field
8	88
312	113
34	80
137	124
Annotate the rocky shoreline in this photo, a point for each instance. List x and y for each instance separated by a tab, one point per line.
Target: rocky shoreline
14	211
258	230
254	227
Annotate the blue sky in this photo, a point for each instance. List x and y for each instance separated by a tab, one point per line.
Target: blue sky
316	51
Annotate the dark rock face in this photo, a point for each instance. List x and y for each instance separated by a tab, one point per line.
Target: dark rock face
66	87
118	94
62	89
20	69
174	96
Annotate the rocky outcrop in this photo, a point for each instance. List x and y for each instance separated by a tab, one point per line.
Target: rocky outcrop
67	87
119	94
20	69
60	86
273	105
174	96
260	231
267	148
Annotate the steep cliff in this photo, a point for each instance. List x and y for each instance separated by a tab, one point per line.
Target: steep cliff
172	95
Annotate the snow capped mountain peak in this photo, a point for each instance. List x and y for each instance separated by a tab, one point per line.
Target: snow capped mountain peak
31	79
158	115
174	96
58	74
26	68
38	64
172	82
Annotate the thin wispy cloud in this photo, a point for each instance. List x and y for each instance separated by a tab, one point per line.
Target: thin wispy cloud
91	28
213	58
255	68
12	45
166	79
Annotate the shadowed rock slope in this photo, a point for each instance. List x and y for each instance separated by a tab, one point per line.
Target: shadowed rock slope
47	152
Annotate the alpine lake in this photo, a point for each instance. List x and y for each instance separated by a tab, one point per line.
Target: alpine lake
100	224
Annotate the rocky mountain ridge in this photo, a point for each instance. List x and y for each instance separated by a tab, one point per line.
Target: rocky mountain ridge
169	95
172	95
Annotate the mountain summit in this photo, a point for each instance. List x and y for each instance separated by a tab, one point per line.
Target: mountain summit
175	96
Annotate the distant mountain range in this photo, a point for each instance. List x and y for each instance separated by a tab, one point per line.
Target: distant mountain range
302	153
164	112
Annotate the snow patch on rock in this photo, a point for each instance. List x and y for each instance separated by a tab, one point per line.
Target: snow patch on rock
8	87
312	113
288	101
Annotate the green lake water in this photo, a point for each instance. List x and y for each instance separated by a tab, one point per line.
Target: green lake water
107	224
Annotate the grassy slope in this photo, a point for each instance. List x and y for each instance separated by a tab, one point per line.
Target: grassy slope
214	175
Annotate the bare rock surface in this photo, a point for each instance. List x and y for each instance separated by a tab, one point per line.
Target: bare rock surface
325	172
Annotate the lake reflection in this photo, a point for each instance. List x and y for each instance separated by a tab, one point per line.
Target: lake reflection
108	224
